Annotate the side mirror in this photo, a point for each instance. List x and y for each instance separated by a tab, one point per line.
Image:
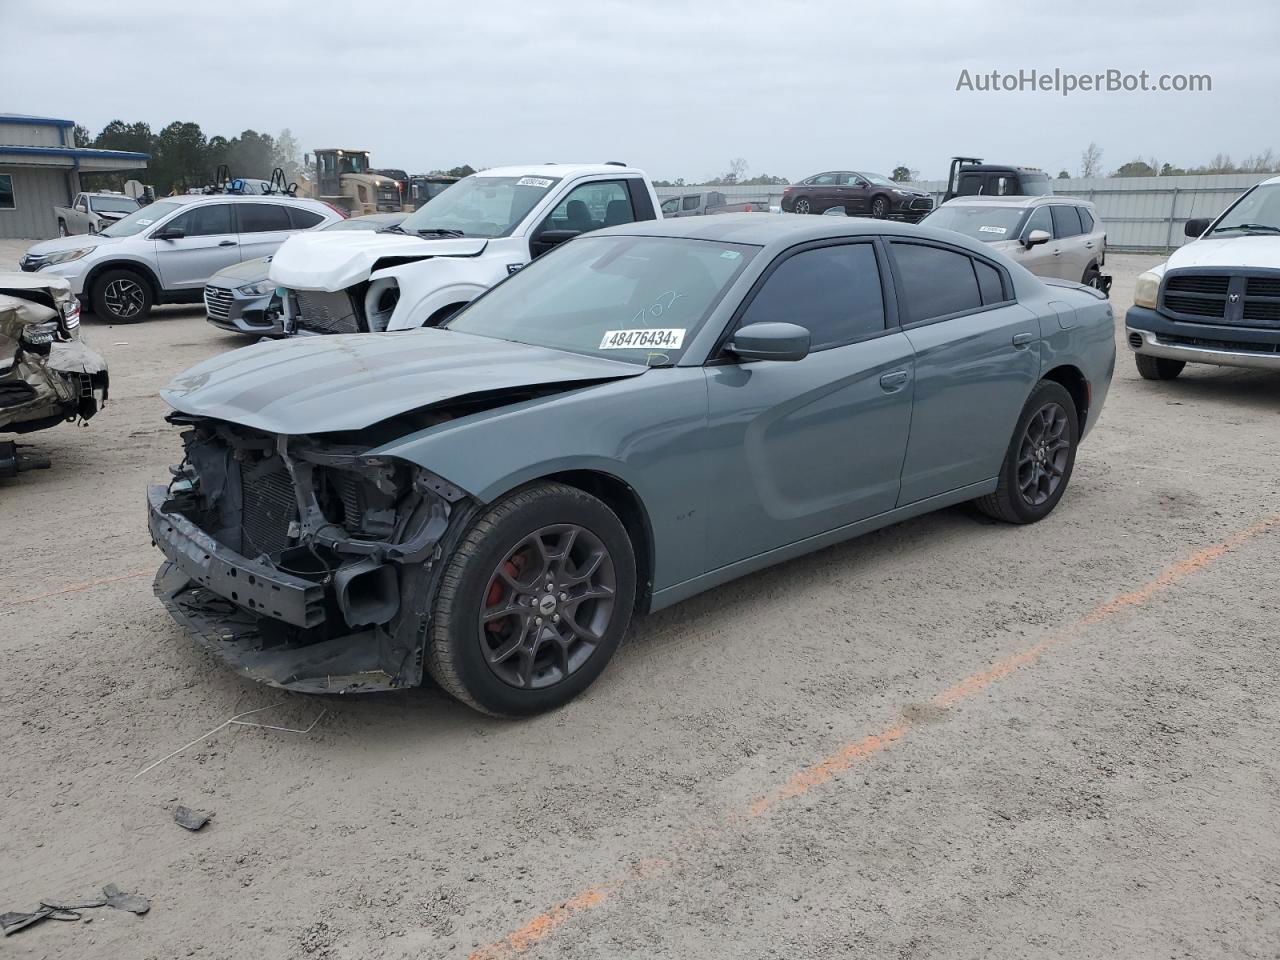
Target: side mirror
769	341
169	233
1036	237
82	207
1194	228
548	239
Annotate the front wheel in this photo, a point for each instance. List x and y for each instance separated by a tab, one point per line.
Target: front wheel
879	208
533	603
1038	464
121	296
1157	368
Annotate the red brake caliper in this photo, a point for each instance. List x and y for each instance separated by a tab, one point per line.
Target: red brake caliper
496	586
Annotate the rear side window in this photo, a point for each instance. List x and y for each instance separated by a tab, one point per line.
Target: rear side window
263	217
207	221
989	283
1086	220
302	219
1066	222
833	292
935	282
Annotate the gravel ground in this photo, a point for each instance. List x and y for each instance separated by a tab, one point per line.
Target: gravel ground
948	739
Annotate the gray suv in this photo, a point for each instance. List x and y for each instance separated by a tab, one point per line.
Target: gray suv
166	251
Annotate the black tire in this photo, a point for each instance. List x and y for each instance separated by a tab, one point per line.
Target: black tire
880	208
121	296
443	314
62	229
465	654
1092	277
802	206
1011	501
1157	368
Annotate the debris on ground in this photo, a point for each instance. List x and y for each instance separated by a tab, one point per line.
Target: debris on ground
193	820
70	910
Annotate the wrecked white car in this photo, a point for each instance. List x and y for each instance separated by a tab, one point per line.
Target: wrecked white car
48	375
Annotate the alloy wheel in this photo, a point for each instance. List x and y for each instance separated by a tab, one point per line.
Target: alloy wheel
879	208
547	606
1043	453
802	206
124	298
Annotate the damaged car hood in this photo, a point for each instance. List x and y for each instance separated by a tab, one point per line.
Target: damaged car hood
348	382
335	261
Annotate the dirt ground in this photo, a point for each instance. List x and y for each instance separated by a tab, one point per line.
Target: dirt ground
948	739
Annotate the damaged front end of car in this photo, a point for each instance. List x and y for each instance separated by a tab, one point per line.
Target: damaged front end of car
303	561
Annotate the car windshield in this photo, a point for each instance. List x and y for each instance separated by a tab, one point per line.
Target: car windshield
140	219
113	204
480	206
1258	211
980	221
637	299
876	178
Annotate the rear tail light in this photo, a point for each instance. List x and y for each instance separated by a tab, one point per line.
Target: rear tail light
338	210
747	208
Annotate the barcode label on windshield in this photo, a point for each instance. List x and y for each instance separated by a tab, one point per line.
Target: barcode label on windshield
1000	230
668	339
533	182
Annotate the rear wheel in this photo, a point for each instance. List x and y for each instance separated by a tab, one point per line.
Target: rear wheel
121	296
1158	368
802	206
533	603
62	229
1037	466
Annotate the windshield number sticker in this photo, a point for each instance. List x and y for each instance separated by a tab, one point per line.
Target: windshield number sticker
144	223
666	339
1001	230
533	182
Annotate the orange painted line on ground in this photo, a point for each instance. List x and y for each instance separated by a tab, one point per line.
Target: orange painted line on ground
78	587
800	783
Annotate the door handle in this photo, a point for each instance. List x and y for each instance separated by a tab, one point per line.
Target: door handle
1057	253
1020	340
1089	244
226	243
894	379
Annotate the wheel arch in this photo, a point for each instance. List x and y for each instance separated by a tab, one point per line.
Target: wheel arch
620	497
1073	380
135	266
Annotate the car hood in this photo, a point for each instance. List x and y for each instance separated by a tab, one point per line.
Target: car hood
348	382
1241	251
335	261
250	271
70	243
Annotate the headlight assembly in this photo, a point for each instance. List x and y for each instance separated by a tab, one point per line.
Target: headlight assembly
1147	289
65	256
259	289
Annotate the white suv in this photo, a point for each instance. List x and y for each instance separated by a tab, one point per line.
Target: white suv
164	252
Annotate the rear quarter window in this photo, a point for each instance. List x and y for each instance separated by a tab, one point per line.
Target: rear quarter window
303	219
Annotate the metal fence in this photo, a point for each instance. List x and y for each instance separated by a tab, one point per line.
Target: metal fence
1140	213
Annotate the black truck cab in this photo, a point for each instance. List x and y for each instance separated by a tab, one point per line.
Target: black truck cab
970	177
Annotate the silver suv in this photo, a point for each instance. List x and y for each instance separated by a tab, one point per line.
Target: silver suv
1049	235
166	251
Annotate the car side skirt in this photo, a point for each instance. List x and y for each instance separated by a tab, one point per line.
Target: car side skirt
683	591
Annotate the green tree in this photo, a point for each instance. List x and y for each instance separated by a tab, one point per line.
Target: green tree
81	136
1063	175
1136	168
287	155
465	170
251	154
901	175
180	158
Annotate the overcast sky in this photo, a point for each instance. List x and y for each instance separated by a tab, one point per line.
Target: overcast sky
678	88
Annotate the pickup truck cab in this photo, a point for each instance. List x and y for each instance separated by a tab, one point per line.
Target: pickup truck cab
92	212
710	202
1217	299
455	247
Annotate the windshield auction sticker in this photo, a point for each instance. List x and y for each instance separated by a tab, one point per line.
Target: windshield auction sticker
534	182
668	339
1000	230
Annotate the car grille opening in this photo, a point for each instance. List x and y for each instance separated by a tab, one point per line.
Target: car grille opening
269	508
1263	287
324	312
1195	306
1193	283
1226	296
217	302
1135	340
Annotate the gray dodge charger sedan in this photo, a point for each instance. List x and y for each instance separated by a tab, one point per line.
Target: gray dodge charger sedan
642	414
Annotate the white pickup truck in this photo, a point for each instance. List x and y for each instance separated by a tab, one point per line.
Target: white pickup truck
454	248
92	212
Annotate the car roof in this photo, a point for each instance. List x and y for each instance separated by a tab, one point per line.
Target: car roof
1015	201
780	230
188	198
998	168
560	170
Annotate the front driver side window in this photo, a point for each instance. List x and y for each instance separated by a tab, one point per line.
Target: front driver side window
207	221
1039	220
592	206
670	206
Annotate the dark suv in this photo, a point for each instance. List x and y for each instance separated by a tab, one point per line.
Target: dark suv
859	194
